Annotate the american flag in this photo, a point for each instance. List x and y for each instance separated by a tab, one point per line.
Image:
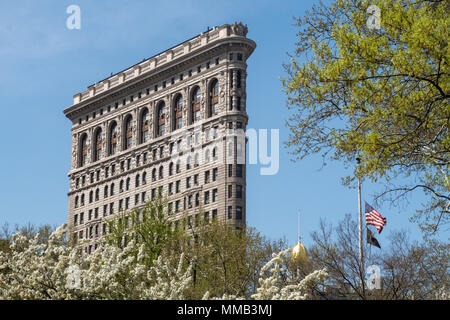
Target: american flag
374	218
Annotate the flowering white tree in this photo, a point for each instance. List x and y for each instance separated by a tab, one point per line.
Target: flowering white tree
277	283
53	270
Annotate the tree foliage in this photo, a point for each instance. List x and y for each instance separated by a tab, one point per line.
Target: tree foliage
378	94
54	270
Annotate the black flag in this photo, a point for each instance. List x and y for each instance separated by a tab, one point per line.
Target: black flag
371	239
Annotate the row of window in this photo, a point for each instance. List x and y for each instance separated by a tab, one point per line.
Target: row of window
144	125
93	231
189	202
125	185
126	165
159	123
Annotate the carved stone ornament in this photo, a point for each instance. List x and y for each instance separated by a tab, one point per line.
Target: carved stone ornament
239	29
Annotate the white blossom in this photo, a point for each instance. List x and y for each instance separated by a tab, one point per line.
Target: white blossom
53	270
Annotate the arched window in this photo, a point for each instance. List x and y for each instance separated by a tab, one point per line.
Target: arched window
178	113
145	124
195	100
113	139
121	186
214	154
91	196
97	194
207	156
144	177
161	119
128	132
161	172
112	189
154	174
178	167
98	144
83	150
105	193
213	107
82	200
76	202
171	169
138	180
128	184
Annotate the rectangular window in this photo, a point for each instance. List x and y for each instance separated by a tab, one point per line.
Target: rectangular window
215	174
196	180
206	197
230	191
207	176
230	212
127	203
75	219
239	213
214	214
136	199
105	210
190	201
238	191
143	195
170	188
230	170
111	208
239	169
214	195
188	182
177	186
177	206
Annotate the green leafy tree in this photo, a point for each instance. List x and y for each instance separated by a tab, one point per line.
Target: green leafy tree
380	94
148	226
226	260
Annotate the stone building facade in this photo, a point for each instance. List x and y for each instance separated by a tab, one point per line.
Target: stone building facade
163	127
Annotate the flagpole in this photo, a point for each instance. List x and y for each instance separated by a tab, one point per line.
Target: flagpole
360	231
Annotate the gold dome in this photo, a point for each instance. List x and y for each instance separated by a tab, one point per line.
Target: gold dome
299	253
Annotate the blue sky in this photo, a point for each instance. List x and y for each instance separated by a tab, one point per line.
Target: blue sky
44	64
